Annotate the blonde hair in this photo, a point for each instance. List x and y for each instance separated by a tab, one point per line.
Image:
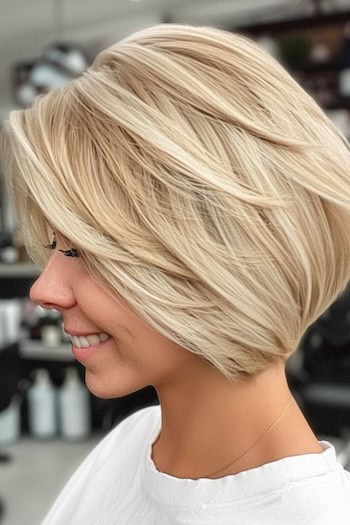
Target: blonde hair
201	184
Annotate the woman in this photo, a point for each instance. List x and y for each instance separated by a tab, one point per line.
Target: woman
199	205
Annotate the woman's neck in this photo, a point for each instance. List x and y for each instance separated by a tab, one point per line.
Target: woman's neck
204	430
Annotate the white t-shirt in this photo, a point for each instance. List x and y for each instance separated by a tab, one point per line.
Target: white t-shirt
119	484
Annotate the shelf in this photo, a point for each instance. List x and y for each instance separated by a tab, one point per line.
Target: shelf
31	349
23	270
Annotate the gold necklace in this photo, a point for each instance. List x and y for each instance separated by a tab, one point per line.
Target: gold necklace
246	452
264	434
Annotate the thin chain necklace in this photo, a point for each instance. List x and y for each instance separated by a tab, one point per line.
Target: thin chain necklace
246	452
264	434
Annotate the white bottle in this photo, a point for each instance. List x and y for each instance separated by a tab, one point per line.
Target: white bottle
74	407
42	406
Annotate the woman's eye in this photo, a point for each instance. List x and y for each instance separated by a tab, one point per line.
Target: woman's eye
72	252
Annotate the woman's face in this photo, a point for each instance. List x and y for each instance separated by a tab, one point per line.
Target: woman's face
134	357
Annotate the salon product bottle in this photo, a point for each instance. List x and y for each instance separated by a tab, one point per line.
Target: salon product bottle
8	252
42	406
50	331
74	407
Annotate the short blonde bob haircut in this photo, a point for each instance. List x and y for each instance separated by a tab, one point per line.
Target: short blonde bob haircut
200	183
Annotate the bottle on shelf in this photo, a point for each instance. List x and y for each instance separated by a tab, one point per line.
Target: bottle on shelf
74	407
8	252
51	333
42	406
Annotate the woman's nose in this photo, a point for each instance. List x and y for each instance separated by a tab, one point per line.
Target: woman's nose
53	288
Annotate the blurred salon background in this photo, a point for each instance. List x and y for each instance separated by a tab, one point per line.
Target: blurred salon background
48	420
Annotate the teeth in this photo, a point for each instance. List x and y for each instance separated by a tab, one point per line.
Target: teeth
93	339
84	343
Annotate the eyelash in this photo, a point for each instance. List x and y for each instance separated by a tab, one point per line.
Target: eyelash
72	252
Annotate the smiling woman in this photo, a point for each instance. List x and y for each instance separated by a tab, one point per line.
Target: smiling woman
201	204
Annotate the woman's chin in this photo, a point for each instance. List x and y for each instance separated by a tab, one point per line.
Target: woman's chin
103	388
98	388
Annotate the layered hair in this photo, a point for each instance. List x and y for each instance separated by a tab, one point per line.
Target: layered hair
200	183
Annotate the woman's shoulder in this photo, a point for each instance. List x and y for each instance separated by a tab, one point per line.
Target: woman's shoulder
121	443
143	416
134	426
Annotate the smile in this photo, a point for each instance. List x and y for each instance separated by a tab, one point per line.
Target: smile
89	340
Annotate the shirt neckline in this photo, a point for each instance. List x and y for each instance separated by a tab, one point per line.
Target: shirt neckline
231	488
